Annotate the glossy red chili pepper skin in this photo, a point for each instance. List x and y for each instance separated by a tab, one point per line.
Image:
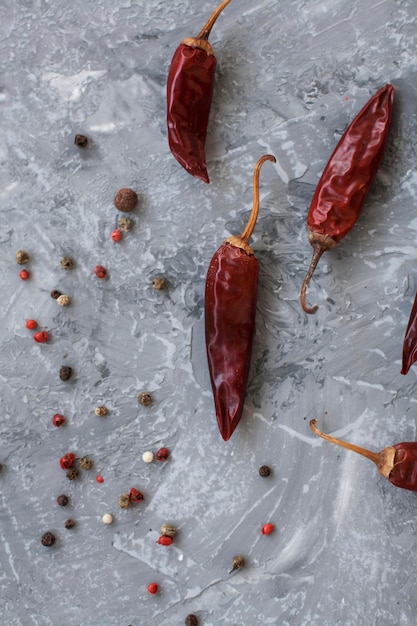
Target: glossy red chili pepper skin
230	310
347	178
404	471
410	341
189	97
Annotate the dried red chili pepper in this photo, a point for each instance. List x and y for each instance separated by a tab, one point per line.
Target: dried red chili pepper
347	178
230	308
397	463
189	95
410	341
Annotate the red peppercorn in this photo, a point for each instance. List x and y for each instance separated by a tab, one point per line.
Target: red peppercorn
162	454
99	479
117	235
135	495
58	420
41	336
267	529
31	324
164	541
100	271
24	274
67	460
153	588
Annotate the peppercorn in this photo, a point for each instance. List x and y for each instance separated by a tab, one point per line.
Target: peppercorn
55	294
41	337
62	500
264	471
267	529
124	223
135	495
81	141
99	478
67	460
72	473
65	372
100	271
167	530
164	540
153	588
69	523
24	275
63	300
124	501
238	562
145	398
86	463
67	263
148	456
125	200
100	411
162	454
58	420
191	620
48	539
159	283
116	235
31	324
107	518
22	257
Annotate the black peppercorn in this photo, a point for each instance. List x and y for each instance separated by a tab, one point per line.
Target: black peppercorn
65	372
62	500
191	620
70	523
48	539
81	141
264	471
55	294
72	473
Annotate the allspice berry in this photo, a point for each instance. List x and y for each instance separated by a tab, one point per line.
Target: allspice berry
63	300
191	620
62	500
67	263
69	523
159	283
125	200
48	539
145	398
81	141
65	372
86	463
100	411
238	562
22	257
124	224
72	473
264	471
124	501
168	530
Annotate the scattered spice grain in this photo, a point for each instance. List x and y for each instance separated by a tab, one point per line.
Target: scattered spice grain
86	463
162	454
264	471
153	588
191	620
107	518
81	141
58	420
124	223
24	275
164	540
41	336
116	235
125	200
100	271
72	473
22	257
100	411
67	263
124	501
31	324
168	530
55	294
62	500
48	539
63	300
145	398
69	523
65	372
159	283
148	456
267	529
238	562
67	461
135	495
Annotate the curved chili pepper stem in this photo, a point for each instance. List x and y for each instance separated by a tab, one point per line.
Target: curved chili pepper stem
206	30
248	230
384	460
317	253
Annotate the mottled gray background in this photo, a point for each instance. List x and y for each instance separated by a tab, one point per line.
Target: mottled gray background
290	76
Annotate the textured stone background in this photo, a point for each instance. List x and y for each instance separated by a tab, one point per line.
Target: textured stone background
291	75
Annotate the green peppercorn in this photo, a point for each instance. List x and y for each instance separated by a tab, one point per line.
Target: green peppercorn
159	283
124	224
145	398
67	263
86	463
238	562
48	539
168	530
124	501
22	257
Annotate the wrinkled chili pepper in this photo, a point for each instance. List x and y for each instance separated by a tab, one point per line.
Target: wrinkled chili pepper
189	95
347	178
397	463
410	341
230	308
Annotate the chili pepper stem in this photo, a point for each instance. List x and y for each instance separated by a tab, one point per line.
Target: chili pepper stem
242	240
320	243
384	460
206	30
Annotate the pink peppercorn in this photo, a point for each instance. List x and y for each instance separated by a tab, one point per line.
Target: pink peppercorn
67	461
162	454
31	324
117	235
267	529
58	420
164	541
41	336
135	495
153	588
24	274
99	479
100	271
